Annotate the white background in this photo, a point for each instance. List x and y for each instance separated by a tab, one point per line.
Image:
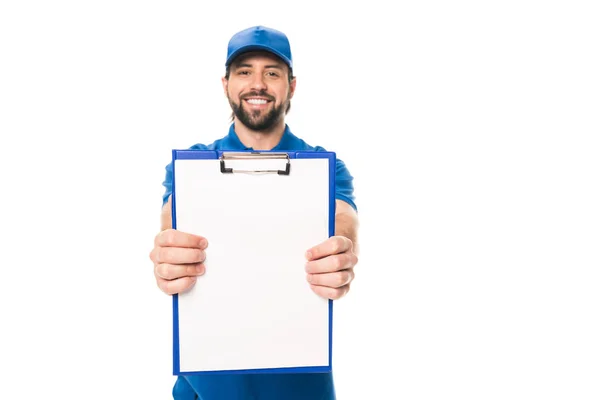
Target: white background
471	129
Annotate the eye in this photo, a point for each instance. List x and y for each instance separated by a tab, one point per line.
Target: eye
243	72
273	74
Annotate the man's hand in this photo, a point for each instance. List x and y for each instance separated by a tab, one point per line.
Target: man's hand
330	267
178	259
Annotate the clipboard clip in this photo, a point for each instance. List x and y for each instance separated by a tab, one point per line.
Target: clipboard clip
254	155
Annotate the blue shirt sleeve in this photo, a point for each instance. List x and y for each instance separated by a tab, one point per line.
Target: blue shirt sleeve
344	181
168	182
344	185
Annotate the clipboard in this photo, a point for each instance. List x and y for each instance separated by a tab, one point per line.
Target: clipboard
253	310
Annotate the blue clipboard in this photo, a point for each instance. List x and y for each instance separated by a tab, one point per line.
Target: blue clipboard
237	319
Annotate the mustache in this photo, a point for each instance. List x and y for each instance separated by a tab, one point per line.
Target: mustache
258	94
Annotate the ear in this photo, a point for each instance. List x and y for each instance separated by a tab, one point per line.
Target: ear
292	87
225	82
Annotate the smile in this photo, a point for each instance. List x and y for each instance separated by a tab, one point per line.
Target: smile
256	101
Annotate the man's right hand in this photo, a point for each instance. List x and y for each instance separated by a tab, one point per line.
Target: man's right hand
178	259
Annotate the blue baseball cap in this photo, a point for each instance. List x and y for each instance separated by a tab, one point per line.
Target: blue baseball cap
259	38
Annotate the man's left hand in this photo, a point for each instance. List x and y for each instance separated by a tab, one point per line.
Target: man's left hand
330	267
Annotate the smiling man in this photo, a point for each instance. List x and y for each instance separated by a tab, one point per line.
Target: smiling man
259	85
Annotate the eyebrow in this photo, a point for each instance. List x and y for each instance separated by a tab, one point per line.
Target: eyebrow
246	65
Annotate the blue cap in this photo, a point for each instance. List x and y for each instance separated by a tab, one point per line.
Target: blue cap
259	38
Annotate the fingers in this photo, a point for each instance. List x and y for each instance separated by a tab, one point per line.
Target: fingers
333	280
333	245
173	279
177	255
330	293
175	238
178	259
170	272
176	286
333	263
330	267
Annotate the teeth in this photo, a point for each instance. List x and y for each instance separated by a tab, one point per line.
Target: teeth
257	101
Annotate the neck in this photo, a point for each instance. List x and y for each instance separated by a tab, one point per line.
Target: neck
259	140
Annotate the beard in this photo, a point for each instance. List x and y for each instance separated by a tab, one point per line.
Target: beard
253	119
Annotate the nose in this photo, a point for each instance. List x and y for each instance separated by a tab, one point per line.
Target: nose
258	82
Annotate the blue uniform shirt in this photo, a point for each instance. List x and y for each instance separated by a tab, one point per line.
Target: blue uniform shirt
277	386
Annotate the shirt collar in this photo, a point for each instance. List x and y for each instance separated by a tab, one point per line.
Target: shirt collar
287	142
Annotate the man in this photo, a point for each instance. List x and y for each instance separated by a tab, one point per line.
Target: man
259	85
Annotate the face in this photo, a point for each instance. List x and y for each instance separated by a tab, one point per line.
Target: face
259	90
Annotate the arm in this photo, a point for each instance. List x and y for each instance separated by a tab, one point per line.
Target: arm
330	266
166	221
346	223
